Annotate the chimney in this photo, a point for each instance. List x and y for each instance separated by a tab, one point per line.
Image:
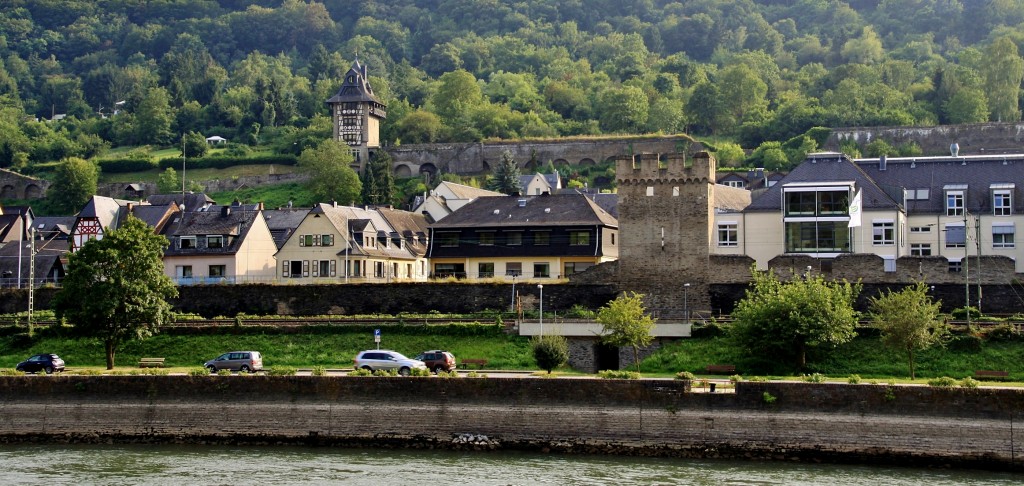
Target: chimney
225	211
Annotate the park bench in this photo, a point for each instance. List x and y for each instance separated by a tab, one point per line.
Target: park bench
720	369
480	363
151	362
991	374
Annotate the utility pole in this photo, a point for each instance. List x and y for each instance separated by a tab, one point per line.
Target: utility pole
967	274
31	276
182	168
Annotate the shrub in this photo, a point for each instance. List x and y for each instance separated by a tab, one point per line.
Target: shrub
618	375
360	372
419	372
814	378
199	372
550	352
580	312
89	372
736	378
969	382
474	374
155	372
853	379
960	313
11	373
318	371
711	329
943	382
685	375
223	372
965	342
768	398
758	378
280	371
1004	333
449	374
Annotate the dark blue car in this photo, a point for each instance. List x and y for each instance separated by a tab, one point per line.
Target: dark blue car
46	362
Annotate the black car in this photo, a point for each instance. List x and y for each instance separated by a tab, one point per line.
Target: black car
46	362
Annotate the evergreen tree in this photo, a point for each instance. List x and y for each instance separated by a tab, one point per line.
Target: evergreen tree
506	176
378	180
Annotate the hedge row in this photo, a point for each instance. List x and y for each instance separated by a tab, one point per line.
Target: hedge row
119	166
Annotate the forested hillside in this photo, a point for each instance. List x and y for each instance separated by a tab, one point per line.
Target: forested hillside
468	70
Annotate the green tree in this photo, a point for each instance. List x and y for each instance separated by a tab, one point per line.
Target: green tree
785	319
154	117
167	182
506	176
74	182
625	322
330	177
623	109
419	127
1003	71
378	180
967	105
195	145
550	352
115	288
909	320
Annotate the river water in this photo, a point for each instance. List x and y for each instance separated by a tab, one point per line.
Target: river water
82	465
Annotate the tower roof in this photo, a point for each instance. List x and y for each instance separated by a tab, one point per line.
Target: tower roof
356	87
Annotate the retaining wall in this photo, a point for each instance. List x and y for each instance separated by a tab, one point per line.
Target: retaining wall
848	423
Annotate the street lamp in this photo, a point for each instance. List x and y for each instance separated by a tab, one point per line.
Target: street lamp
967	275
686	302
513	307
541	287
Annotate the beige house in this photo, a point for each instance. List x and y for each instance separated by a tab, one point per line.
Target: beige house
447	198
343	244
222	244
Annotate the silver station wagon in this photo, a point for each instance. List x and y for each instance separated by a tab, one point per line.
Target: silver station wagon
241	361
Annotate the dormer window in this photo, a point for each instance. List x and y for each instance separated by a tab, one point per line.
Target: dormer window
1002	199
215	241
955	199
186	242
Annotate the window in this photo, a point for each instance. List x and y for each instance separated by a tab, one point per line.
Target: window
728	234
541	270
448	239
486	238
326	240
575	267
800	203
514	238
736	184
1002	236
514	269
542	238
186	242
215	241
920	249
920	229
306	240
650	190
325	268
817	237
1002	202
294	268
883	233
613	238
956	266
442	270
579	238
956	236
954	203
485	270
378	269
183	271
217	270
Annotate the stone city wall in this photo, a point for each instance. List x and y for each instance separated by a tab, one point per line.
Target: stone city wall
973	139
833	422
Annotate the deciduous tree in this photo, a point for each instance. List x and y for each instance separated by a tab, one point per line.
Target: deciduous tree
74	183
625	322
785	319
549	351
910	320
330	177
115	288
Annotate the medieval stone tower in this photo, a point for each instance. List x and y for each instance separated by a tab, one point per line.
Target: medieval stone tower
665	224
357	114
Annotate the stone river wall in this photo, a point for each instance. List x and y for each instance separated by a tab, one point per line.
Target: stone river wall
832	422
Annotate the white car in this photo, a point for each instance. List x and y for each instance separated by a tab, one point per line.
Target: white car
385	359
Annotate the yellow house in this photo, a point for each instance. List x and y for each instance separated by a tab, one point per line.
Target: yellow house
223	244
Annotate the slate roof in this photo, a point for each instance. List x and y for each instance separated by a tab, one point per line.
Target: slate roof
977	172
235	224
354	219
731	199
49	253
105	209
53	226
193	201
282	222
468	192
156	217
826	167
409	226
550	210
357	91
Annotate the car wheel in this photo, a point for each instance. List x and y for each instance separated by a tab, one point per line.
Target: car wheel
48	370
404	371
213	369
244	369
367	368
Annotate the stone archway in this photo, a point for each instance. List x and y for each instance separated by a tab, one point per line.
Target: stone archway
587	162
33	191
403	171
8	192
485	166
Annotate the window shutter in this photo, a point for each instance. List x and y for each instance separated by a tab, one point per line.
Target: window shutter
305	268
316	268
302	240
316	240
284	269
334	268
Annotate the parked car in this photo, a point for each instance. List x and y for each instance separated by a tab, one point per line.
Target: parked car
438	360
242	361
385	359
46	362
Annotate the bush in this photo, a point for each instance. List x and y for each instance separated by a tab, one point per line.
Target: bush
199	372
223	162
685	375
969	382
1003	333
853	379
579	312
319	371
943	382
450	374
360	372
11	373
736	378
768	398
711	329
385	373
281	371
618	375
758	379
814	378
474	374
550	352
965	342
960	313
419	372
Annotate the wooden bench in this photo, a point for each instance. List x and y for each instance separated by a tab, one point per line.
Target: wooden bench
480	363
720	369
991	374
151	362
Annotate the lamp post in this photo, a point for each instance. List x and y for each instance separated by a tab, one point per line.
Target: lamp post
967	274
686	302
541	287
512	308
